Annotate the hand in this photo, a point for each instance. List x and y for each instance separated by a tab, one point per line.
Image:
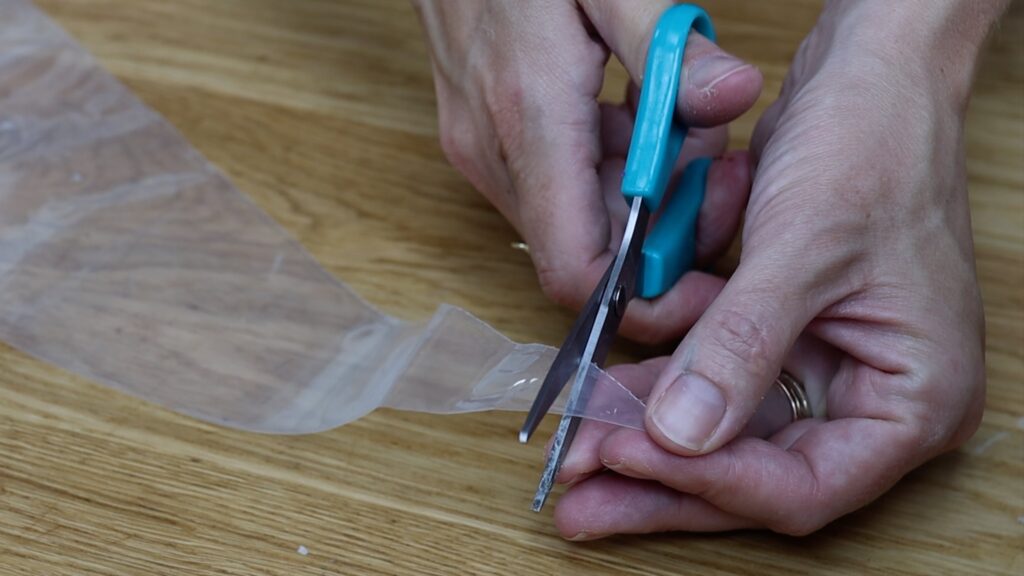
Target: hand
857	235
517	86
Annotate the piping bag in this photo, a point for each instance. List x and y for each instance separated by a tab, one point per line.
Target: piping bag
127	258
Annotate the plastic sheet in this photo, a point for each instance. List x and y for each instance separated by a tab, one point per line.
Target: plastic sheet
127	258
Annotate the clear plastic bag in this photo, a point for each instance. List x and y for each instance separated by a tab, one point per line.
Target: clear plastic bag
127	258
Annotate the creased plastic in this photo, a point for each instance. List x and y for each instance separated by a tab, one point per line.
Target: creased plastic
127	258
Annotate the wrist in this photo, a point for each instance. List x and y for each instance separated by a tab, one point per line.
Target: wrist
935	42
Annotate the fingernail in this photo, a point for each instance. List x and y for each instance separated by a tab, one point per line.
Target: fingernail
572	481
689	411
612	464
583	536
709	71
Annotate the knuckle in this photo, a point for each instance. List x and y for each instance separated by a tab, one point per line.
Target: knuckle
556	285
717	486
971	420
802	516
805	515
743	340
458	141
561	286
949	402
800	525
504	99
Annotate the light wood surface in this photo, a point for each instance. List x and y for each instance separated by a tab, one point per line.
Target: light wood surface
323	111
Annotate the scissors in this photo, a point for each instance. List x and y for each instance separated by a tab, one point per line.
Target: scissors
645	266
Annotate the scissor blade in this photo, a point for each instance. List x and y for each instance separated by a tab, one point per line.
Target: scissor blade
566	362
620	287
559	448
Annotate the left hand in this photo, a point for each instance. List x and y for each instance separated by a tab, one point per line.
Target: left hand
857	235
518	112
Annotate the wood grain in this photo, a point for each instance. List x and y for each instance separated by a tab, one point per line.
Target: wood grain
323	112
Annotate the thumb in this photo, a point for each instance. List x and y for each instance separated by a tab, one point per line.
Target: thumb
729	360
716	87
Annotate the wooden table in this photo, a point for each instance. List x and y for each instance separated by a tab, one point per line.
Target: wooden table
323	111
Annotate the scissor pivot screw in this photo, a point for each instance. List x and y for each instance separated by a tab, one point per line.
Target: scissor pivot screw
619	300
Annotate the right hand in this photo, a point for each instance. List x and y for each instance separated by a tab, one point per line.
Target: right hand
517	86
858	236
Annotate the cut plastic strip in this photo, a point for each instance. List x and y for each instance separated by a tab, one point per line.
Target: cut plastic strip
129	259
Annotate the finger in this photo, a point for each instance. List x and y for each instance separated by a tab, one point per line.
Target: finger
617	129
548	128
716	86
722	210
829	469
562	213
672	314
611	504
569	280
814	363
727	362
702	143
726	197
583	458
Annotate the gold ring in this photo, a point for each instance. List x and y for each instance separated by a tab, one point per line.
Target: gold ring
799	406
521	246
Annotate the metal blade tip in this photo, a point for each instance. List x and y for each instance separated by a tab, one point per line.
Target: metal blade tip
538	500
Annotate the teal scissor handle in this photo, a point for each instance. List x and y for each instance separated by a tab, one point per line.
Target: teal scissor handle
671	247
657	139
